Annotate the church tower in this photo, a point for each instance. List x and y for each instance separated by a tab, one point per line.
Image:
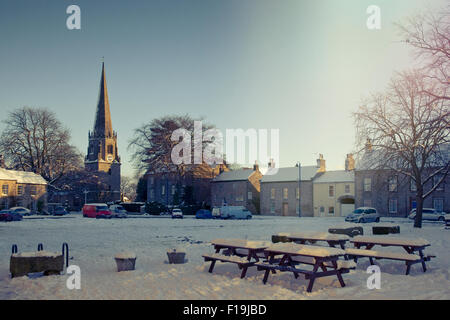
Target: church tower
102	154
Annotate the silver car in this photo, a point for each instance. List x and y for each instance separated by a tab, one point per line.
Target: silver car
363	214
429	214
117	211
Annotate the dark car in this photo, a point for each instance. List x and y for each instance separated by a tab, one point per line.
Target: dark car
8	215
203	214
60	211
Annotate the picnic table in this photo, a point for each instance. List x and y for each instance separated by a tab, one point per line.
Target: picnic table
411	246
293	254
302	237
242	252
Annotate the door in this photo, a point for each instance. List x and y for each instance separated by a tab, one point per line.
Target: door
285	209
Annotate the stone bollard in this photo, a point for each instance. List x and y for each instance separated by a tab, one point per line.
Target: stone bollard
176	257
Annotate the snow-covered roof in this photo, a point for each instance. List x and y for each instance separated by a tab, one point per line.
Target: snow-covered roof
290	174
21	176
235	175
336	176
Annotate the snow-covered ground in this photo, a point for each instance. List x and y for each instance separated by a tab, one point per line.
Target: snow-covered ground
94	243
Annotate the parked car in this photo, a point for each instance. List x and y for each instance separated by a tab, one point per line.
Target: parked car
118	211
96	210
60	211
235	212
8	215
177	214
363	214
21	210
216	213
203	214
429	214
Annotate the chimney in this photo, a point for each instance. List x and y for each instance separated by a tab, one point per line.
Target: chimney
321	163
368	145
349	162
256	166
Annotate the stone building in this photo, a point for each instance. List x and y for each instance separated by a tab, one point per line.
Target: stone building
281	193
394	194
166	186
22	189
237	188
102	153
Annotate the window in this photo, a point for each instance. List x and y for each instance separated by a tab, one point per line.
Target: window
331	211
163	190
413	186
152	180
19	190
33	190
249	195
367	184
272	207
272	193
322	209
285	193
393	206
240	198
297	192
436	180
297	207
331	191
347	188
438	204
110	149
152	194
173	189
392	184
5	189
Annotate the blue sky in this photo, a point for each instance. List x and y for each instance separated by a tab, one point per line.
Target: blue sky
294	65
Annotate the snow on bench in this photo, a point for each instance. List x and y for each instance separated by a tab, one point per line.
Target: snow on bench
224	258
417	242
314	235
382	254
305	250
341	264
35	254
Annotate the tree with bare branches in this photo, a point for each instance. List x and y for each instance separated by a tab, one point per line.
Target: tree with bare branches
35	140
152	144
409	132
429	35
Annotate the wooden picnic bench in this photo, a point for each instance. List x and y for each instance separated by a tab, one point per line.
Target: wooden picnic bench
411	246
243	253
293	254
303	237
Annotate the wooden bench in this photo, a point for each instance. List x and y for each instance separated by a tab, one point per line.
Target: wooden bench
242	263
310	275
408	258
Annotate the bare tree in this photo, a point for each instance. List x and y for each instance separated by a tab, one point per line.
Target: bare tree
128	187
429	35
408	130
152	144
35	140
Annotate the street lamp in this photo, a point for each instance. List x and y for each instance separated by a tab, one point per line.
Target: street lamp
299	183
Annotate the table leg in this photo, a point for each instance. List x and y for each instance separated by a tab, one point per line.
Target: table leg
266	276
424	267
211	267
244	271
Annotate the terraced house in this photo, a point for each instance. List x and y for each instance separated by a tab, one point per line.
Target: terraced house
24	189
289	192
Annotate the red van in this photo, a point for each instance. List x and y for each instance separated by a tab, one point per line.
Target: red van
96	210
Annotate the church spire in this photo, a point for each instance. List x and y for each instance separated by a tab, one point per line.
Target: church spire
103	125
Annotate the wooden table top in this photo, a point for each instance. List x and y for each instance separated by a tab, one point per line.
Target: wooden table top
391	241
242	243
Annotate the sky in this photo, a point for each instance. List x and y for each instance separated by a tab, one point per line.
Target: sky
298	66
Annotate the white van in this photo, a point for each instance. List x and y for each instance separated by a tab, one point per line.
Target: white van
235	212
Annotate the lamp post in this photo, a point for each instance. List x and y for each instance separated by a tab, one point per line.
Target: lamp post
299	183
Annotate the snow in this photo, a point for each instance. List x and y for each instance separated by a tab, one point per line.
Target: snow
315	235
307	250
392	240
36	254
94	242
125	255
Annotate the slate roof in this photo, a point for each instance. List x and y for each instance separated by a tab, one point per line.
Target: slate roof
290	174
336	176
